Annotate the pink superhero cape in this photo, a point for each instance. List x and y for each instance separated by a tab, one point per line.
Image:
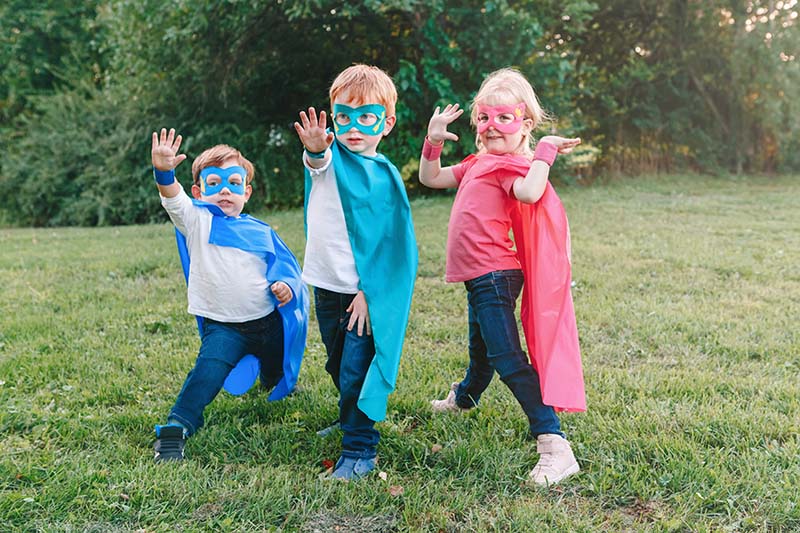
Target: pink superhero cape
541	234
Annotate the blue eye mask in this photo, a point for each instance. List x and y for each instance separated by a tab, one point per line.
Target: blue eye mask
224	175
369	119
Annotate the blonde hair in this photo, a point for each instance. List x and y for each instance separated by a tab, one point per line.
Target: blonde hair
508	86
215	156
365	84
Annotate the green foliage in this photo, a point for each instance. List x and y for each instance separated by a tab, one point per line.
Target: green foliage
656	86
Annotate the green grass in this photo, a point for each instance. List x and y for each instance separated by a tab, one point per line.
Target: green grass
688	301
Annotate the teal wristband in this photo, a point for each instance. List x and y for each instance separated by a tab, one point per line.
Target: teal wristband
164	177
316	155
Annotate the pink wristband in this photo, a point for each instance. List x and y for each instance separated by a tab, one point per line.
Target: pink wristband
431	151
546	152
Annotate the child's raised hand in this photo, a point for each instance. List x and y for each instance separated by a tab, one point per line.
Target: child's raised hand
437	127
165	148
311	131
282	292
563	144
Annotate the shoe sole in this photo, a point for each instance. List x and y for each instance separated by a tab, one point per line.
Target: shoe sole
574	469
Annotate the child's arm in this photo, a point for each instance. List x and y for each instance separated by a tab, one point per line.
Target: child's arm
431	173
163	154
314	137
530	188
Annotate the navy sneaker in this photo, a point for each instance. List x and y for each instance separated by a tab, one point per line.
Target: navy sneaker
170	440
348	468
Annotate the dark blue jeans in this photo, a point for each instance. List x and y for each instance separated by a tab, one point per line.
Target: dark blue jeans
349	357
223	345
494	345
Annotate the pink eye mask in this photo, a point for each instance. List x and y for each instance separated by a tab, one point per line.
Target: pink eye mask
493	111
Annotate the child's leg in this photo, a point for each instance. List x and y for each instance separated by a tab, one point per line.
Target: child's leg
330	308
480	371
221	348
267	338
493	297
360	439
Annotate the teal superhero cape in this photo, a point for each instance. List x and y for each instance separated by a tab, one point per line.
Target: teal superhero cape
252	235
381	232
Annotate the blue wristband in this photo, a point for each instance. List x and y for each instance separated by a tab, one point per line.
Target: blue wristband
164	177
316	155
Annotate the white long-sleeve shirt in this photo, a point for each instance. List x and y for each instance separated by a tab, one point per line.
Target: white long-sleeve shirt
225	284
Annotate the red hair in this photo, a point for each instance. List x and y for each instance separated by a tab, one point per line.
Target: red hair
365	84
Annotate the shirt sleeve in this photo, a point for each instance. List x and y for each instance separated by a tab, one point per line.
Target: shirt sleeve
506	182
182	212
321	170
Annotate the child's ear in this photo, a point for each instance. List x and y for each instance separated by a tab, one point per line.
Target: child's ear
248	190
389	124
196	192
528	125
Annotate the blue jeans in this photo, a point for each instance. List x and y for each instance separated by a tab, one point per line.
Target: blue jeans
223	345
494	345
349	357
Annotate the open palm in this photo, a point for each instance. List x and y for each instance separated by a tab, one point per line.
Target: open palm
165	148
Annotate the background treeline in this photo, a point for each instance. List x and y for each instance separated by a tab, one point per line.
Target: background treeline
651	86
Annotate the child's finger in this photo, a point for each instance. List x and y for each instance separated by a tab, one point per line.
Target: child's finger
171	136
450	136
329	138
304	120
163	135
360	329
312	115
178	141
180	159
154	141
322	119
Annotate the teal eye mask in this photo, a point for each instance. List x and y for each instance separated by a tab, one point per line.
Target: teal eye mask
224	175
369	119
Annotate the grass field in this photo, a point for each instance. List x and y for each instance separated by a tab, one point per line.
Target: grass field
687	292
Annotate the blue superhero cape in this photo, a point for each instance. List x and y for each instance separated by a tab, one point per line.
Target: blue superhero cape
252	235
381	232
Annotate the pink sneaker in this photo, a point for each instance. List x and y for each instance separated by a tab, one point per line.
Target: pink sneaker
556	460
448	405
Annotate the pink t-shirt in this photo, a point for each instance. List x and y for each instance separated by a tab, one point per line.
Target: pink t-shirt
478	239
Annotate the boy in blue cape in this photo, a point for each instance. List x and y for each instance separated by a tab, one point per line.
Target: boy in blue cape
243	284
361	254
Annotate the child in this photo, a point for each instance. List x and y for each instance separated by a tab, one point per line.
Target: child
238	265
361	254
495	189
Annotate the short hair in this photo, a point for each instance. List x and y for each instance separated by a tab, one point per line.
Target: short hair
365	84
509	86
215	156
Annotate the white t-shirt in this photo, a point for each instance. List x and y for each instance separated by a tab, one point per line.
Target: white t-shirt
329	262
225	284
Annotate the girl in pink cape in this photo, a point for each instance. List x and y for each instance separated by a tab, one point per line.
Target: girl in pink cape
505	186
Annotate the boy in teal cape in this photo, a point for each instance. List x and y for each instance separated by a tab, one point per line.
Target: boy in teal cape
243	284
361	254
